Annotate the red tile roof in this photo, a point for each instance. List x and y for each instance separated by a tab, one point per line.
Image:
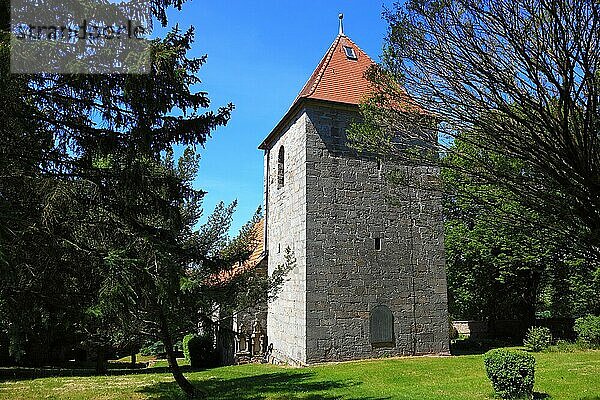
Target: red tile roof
257	256
337	79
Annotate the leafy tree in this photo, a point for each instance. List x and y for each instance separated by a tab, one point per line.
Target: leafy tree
155	261
502	96
522	73
51	126
501	265
42	283
159	267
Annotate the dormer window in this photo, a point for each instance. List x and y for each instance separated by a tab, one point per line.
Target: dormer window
350	53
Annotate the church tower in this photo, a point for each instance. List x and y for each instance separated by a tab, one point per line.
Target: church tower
369	278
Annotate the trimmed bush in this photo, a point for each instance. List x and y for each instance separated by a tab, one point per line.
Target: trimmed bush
588	330
186	346
199	351
511	372
538	338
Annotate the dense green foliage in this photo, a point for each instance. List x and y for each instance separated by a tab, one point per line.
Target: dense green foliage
157	348
513	128
153	349
100	246
564	376
186	348
512	373
77	154
537	338
588	329
524	75
199	350
501	264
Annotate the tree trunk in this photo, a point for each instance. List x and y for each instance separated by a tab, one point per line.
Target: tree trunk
100	361
530	300
184	384
133	358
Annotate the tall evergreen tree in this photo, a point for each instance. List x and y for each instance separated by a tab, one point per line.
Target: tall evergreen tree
97	220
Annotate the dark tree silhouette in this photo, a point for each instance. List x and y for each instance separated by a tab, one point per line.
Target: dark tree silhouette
521	77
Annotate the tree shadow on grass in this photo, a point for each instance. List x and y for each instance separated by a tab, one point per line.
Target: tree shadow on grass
287	385
25	373
479	345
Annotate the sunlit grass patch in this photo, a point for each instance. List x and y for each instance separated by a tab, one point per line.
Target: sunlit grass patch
561	376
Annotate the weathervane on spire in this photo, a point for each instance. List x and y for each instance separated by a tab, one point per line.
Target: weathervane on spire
342	24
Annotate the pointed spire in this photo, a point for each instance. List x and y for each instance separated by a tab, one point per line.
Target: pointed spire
339	78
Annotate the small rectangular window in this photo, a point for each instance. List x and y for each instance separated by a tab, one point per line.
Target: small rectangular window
378	244
350	53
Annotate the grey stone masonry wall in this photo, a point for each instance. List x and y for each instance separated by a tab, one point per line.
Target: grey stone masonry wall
286	227
350	204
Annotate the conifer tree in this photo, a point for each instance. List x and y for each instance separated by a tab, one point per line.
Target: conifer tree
98	222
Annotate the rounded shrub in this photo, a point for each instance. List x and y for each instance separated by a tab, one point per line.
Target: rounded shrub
199	350
538	338
588	330
511	372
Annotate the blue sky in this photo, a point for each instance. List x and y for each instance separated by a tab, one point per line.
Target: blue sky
260	54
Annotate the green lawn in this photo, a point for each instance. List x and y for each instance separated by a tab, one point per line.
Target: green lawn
138	358
558	376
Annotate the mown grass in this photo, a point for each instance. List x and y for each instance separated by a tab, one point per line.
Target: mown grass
151	361
558	376
138	358
165	364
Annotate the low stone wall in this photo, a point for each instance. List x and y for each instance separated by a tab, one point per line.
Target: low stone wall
472	329
560	327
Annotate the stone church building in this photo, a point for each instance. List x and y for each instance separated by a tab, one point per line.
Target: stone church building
369	278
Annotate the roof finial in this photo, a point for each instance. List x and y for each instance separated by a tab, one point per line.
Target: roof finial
342	25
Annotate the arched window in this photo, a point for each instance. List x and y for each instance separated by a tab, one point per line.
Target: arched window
382	326
281	168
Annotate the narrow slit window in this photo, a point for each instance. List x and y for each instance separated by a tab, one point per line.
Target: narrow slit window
281	168
350	53
378	244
